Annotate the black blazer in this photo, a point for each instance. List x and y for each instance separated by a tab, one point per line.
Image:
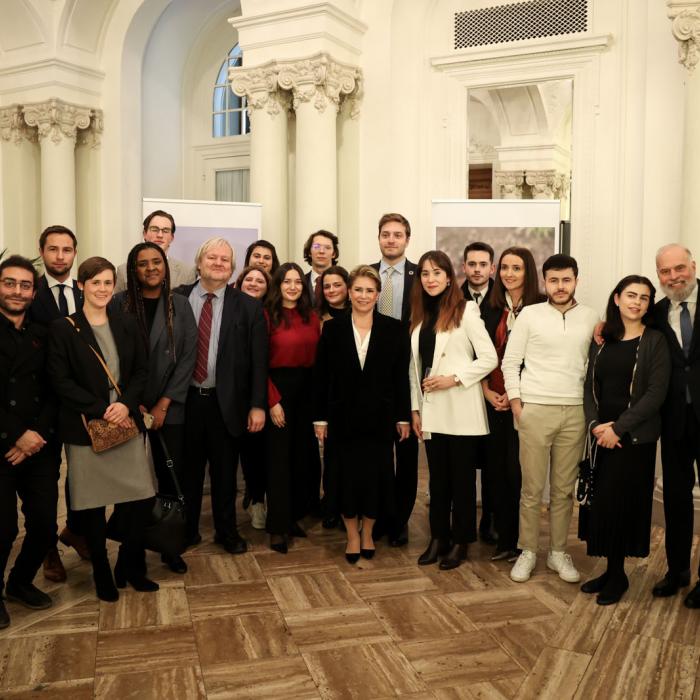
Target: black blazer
44	308
484	302
241	359
685	373
409	279
642	419
356	401
27	401
80	381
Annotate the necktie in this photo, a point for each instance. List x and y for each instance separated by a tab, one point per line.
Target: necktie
62	301
317	292
686	328
477	297
386	299
203	334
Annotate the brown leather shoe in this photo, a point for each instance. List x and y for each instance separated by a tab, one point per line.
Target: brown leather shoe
53	566
78	542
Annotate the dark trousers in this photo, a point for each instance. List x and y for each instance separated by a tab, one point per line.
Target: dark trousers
451	460
174	438
405	482
72	518
505	476
35	482
330	506
678	455
488	482
207	440
291	471
253	465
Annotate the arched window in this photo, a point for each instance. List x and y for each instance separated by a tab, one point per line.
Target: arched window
229	116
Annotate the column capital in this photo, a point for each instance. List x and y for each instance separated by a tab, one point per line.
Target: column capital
545	184
509	183
320	80
56	119
13	127
92	135
260	87
685	17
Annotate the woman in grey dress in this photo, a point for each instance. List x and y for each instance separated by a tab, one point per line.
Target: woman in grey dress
121	475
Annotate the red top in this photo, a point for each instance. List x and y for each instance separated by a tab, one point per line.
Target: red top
292	346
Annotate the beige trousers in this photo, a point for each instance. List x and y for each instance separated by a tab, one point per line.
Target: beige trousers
551	438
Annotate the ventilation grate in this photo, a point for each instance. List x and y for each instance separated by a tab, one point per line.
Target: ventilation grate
522	20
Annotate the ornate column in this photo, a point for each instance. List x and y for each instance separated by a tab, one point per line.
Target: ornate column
685	16
545	184
317	84
57	124
268	108
508	184
12	126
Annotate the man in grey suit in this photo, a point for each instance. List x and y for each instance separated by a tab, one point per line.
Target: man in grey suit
159	228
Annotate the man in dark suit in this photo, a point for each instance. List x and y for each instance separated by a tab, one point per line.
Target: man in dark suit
321	252
479	269
678	316
29	464
228	393
58	295
397	275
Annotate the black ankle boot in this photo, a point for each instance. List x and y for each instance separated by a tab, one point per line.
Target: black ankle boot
613	590
453	558
131	568
435	549
102	575
595	585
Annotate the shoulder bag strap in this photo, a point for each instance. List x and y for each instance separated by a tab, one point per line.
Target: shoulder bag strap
171	467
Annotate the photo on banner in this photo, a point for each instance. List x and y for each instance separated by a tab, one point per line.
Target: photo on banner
532	224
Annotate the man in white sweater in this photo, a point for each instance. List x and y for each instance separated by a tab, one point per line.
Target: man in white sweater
544	368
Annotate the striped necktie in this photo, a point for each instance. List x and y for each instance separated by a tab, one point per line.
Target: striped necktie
201	371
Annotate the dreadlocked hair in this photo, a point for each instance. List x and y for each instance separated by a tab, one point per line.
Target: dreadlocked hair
133	301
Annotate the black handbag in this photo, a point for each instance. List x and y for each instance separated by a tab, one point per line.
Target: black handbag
586	483
165	532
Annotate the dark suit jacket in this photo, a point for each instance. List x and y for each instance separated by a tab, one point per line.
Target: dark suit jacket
241	359
44	308
409	279
357	401
168	375
79	379
468	295
27	401
685	372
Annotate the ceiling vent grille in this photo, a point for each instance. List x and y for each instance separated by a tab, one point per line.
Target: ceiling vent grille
522	20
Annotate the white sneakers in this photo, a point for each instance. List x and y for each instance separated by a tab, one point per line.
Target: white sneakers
523	566
557	561
562	564
258	515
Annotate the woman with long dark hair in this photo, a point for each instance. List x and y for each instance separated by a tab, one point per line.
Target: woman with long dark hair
515	287
169	332
625	387
262	254
451	353
362	399
294	331
255	282
80	348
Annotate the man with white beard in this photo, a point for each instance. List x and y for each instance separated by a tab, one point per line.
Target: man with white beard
679	318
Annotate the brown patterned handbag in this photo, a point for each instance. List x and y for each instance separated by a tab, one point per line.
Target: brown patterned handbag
103	434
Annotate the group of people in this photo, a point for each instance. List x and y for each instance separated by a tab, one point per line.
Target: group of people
322	384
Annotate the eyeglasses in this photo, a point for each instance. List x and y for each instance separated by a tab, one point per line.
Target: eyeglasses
155	230
321	246
12	284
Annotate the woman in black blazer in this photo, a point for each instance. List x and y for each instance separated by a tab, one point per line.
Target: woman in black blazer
625	387
362	396
122	474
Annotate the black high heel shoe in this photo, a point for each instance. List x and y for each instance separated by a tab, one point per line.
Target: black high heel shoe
102	576
367	553
456	555
131	568
435	549
278	543
352	557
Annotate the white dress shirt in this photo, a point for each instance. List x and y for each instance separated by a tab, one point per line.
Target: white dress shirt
360	344
67	291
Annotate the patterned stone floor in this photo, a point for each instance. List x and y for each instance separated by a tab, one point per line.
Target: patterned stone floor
309	625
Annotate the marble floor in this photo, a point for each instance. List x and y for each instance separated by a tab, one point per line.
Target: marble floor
309	625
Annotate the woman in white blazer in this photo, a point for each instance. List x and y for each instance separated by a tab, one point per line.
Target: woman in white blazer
451	353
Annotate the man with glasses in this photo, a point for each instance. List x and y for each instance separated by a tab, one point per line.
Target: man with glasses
29	463
678	316
320	251
159	228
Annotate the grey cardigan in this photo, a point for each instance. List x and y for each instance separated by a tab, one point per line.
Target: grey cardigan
650	377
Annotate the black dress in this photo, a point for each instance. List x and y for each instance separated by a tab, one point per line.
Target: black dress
620	516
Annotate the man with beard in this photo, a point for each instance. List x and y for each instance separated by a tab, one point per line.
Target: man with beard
679	318
57	295
552	339
29	464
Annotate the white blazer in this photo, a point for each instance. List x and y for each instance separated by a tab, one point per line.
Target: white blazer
466	351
